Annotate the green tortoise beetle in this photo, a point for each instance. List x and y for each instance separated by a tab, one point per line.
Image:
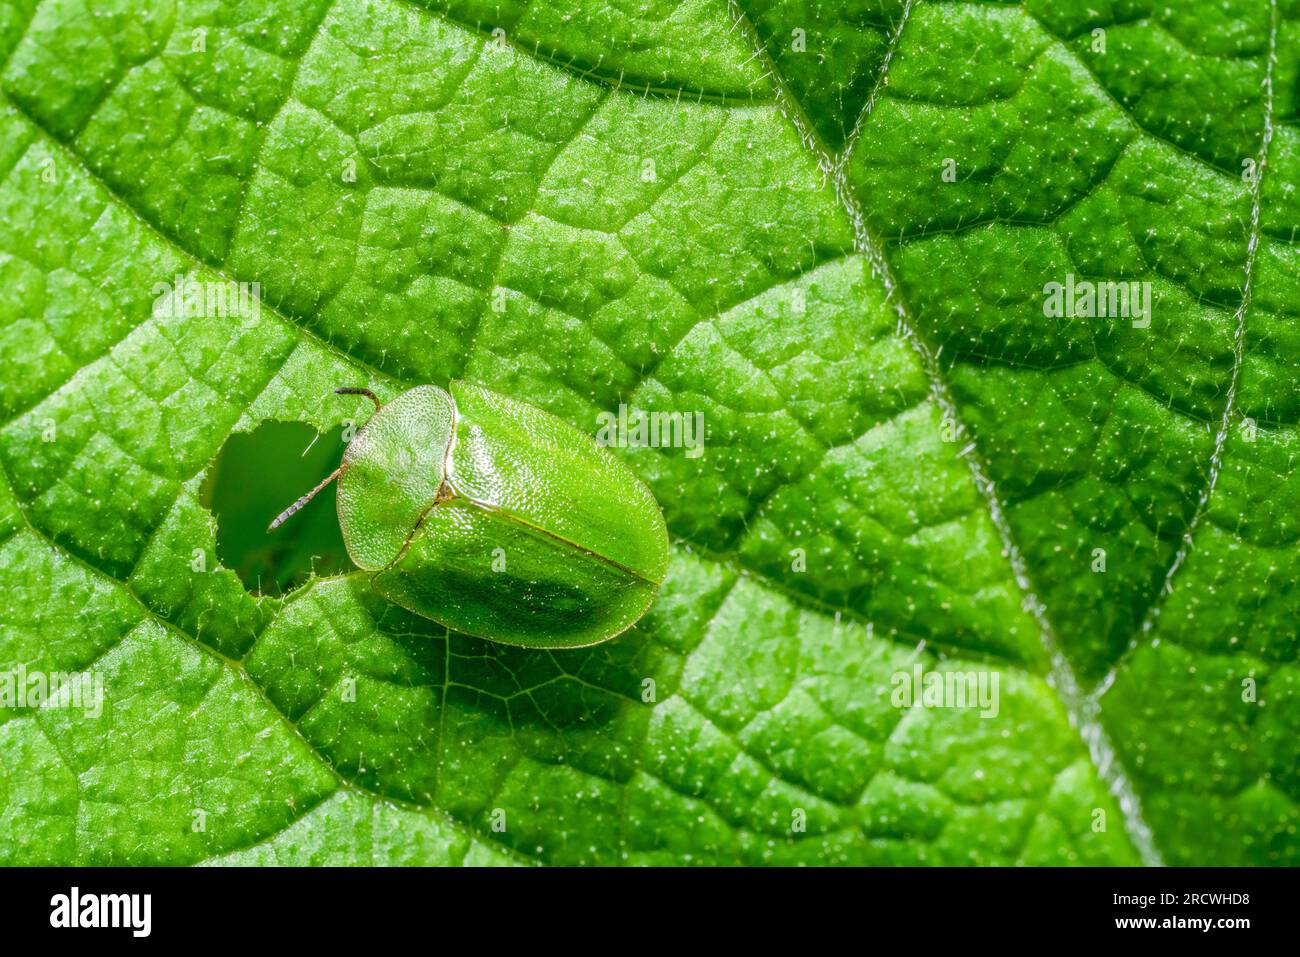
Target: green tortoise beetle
496	519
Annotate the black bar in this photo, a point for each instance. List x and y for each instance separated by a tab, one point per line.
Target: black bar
655	906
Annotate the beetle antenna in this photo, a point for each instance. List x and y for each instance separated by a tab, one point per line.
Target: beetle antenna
296	506
351	390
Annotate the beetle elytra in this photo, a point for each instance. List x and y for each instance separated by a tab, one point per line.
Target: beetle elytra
497	519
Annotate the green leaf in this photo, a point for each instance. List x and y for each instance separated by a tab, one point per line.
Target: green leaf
829	232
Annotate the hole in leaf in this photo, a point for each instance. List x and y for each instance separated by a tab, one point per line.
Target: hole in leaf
256	476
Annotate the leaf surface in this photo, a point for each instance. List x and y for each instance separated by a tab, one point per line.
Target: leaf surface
667	206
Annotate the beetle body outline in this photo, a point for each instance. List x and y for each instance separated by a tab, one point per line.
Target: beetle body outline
497	519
